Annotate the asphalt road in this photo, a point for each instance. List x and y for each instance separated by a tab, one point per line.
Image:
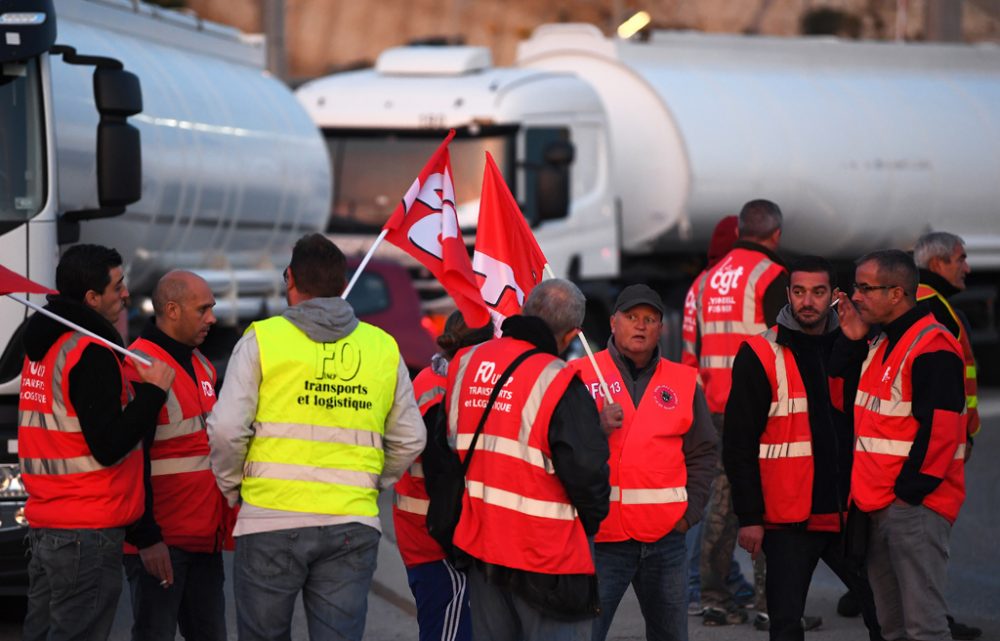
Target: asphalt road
973	590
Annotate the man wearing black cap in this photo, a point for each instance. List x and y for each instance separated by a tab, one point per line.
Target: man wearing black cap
663	456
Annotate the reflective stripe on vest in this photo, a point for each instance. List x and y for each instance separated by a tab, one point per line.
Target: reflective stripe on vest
409	509
884	434
321	413
729	309
785	454
648	470
689	327
52	448
187	504
973	422
515	510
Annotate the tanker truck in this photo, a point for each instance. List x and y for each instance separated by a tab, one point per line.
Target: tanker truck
625	154
156	133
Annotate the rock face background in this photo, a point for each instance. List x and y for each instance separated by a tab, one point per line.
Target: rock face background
323	36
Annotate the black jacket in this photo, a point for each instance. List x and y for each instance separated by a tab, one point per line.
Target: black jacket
831	427
95	383
580	459
938	382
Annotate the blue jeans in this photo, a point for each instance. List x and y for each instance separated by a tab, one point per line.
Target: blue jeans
331	565
442	601
75	578
498	614
657	572
195	602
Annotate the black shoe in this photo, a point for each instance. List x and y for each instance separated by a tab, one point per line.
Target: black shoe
961	631
848	605
719	616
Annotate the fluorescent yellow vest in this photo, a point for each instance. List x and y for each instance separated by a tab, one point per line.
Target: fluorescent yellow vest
320	420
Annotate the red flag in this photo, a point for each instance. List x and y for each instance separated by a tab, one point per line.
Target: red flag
507	260
425	226
11	282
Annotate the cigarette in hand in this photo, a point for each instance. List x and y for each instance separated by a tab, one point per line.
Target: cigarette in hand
834	303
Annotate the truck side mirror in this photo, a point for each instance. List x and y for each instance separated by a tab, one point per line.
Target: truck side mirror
117	95
119	151
552	195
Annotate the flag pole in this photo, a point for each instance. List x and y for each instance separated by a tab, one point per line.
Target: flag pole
590	354
74	326
364	263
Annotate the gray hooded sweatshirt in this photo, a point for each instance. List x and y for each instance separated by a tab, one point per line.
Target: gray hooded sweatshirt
231	424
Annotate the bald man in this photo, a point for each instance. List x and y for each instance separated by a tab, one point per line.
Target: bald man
175	570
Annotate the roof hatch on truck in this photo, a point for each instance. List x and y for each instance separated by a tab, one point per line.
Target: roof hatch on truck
433	61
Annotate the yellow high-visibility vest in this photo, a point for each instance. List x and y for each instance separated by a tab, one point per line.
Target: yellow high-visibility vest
320	420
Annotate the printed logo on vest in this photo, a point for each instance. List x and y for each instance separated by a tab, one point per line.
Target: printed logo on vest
665	397
206	389
725	277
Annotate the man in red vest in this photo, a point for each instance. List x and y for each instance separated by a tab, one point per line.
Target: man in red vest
175	568
724	236
537	485
941	259
81	425
438	587
787	450
663	458
741	296
908	473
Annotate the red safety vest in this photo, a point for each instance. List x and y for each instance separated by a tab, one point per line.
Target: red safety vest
885	428
786	456
730	308
515	511
187	504
409	511
972	421
67	488
689	328
648	470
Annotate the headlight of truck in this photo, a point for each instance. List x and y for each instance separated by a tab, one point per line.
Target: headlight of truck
11	486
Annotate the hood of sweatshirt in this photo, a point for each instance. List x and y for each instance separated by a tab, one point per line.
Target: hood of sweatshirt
324	320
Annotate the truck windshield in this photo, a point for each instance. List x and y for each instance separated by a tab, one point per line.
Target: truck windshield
22	143
372	172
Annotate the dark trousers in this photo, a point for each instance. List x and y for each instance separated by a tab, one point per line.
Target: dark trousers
195	602
75	578
792	555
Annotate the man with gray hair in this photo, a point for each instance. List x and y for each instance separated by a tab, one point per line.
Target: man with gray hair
941	259
536	487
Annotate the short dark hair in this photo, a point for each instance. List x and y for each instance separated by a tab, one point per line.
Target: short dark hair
83	268
759	219
899	265
813	265
457	334
319	267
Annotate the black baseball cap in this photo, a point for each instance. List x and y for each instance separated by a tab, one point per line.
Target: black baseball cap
634	295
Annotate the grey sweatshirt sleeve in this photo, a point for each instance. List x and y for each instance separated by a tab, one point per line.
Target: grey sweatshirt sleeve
701	455
405	433
230	424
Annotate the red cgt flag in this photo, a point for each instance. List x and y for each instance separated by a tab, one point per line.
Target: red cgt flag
507	260
425	226
12	282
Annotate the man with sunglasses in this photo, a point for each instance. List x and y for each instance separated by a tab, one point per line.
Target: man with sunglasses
908	472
